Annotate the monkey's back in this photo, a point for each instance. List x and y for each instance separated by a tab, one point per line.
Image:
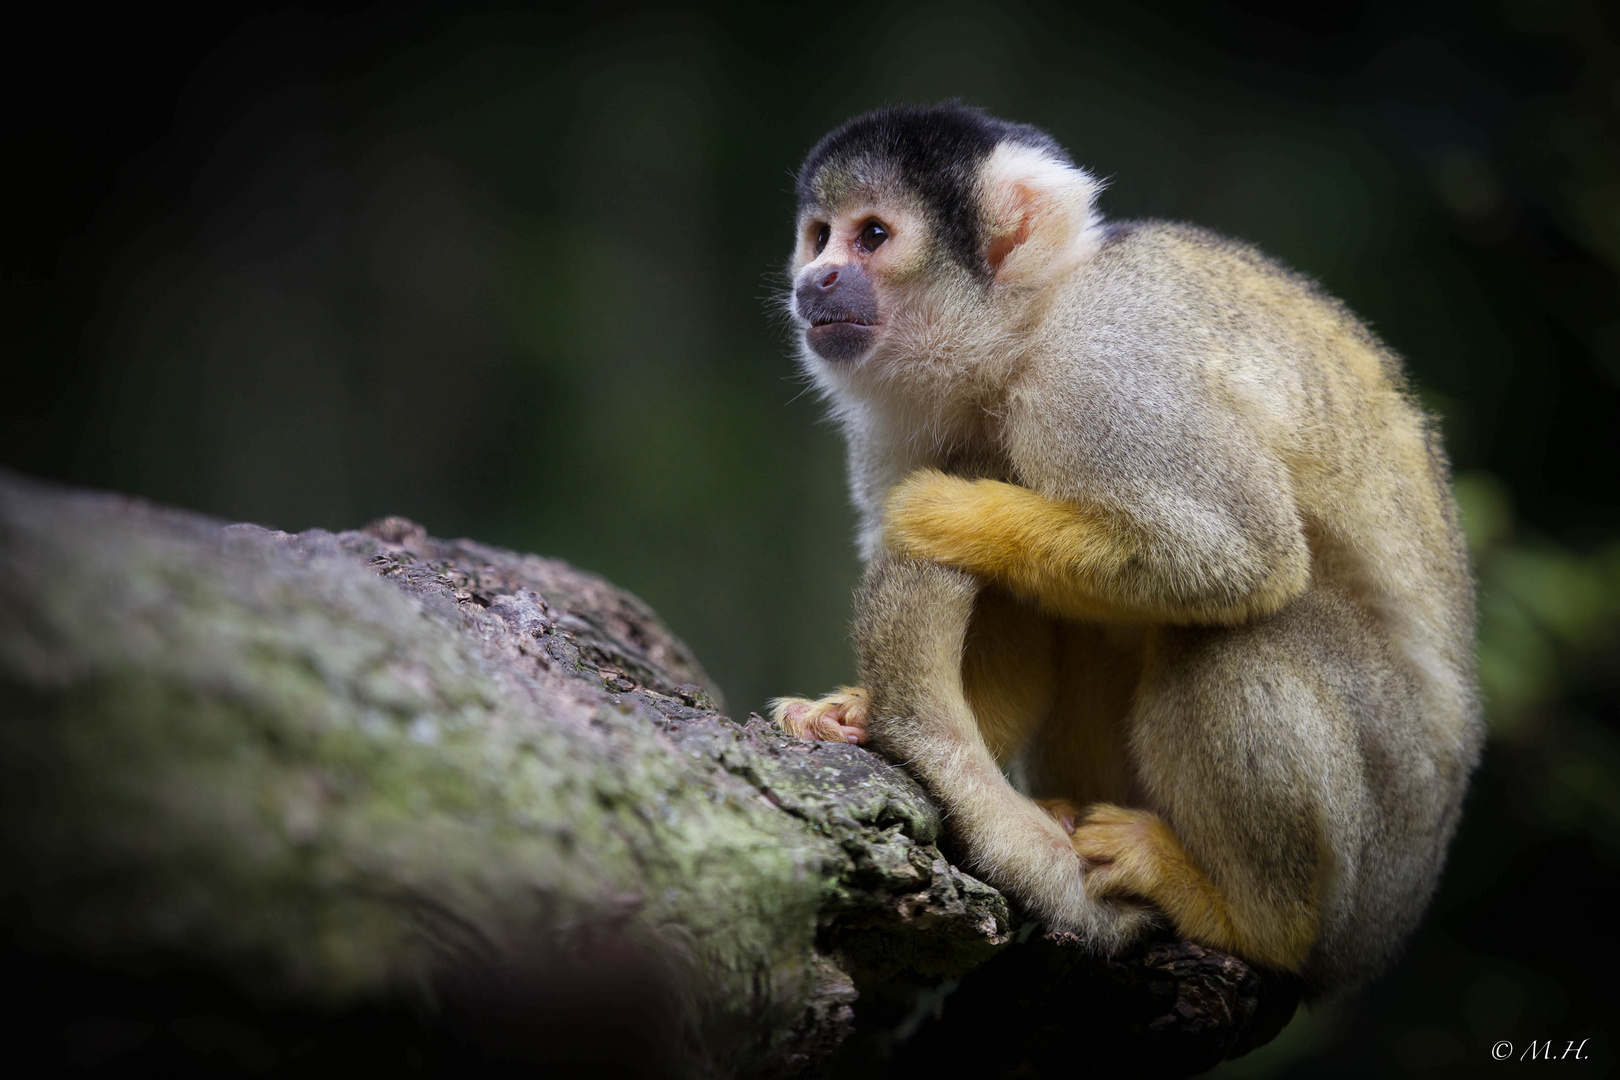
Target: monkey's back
1257	346
1215	346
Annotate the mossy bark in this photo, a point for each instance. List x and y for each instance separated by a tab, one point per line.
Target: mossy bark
338	774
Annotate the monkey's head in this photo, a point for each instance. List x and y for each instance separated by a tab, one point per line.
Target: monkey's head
927	234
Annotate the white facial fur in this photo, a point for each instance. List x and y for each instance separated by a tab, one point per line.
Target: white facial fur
949	335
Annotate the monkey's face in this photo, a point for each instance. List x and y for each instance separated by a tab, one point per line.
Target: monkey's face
846	267
916	279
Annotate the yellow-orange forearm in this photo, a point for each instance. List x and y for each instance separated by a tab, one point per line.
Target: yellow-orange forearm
1074	561
1057	554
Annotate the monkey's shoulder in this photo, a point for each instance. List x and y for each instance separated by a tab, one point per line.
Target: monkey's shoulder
1195	284
1192	253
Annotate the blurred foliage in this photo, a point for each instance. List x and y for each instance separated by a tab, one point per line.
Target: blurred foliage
1549	618
511	273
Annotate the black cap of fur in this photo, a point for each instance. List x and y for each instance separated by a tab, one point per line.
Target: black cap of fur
937	151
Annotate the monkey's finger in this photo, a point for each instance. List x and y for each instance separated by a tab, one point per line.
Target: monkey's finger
793	715
827	729
848	706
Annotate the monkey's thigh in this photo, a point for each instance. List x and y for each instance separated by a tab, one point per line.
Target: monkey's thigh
1009	669
1248	741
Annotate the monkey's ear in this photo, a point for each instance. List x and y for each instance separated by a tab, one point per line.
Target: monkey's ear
1041	214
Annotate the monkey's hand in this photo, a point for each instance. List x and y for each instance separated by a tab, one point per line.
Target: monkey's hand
838	717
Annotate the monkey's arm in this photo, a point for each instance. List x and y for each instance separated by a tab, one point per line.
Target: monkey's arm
1087	561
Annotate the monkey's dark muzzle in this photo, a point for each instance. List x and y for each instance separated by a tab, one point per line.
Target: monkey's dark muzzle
840	305
839	340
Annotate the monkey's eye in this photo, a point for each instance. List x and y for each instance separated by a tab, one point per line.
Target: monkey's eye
823	234
872	237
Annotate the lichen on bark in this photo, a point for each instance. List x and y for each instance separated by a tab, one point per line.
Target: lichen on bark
338	772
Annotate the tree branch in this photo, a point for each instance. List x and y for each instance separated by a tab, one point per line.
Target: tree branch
374	793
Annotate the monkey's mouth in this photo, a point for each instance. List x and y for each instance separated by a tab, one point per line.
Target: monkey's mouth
839	339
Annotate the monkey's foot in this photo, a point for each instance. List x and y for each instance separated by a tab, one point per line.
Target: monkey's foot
1128	842
839	717
1124	851
1133	855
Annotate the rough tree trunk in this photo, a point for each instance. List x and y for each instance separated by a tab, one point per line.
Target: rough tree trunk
275	800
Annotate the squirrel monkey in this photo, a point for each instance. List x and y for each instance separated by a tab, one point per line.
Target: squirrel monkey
1153	527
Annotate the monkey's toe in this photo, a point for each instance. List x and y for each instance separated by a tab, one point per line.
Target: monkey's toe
1122	852
838	717
1108	834
1062	811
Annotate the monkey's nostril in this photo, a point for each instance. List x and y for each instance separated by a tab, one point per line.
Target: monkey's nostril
828	281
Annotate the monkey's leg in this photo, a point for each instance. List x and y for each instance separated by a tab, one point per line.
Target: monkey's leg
911	628
1007	674
1249	743
838	717
1009	670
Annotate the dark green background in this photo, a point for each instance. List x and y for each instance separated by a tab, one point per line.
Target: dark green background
512	275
